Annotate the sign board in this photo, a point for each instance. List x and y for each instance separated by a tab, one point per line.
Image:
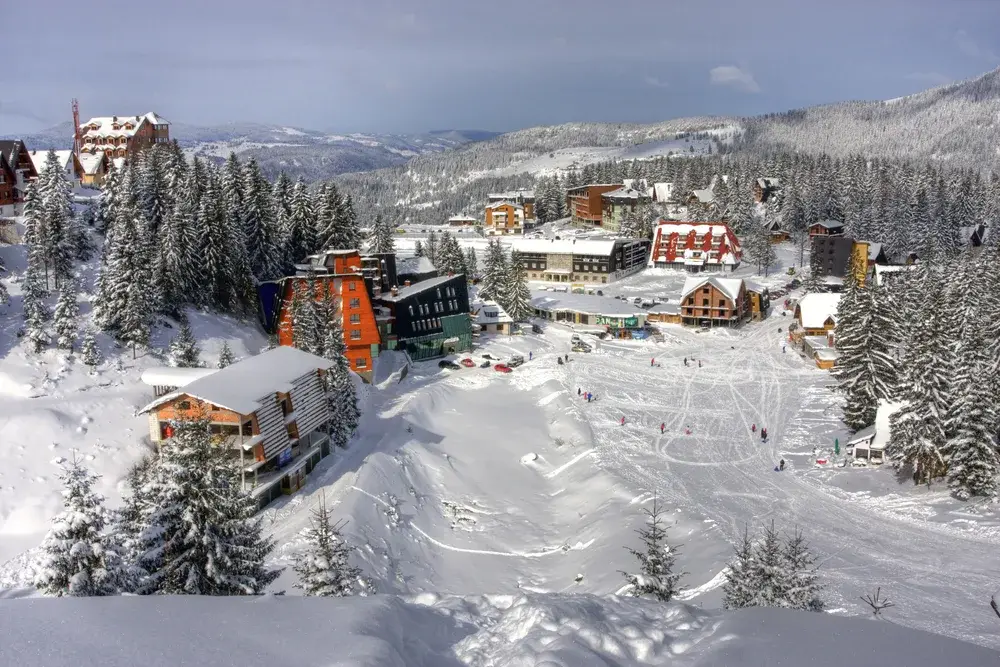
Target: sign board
285	457
619	322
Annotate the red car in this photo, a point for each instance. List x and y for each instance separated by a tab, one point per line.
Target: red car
468	363
503	368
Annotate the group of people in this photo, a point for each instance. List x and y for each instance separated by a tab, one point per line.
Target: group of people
763	431
686	361
585	394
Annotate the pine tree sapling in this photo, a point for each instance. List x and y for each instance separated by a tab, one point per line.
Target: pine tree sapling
66	316
183	351
741	585
78	557
226	357
91	353
323	567
656	578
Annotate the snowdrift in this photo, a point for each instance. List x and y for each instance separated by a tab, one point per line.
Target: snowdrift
426	631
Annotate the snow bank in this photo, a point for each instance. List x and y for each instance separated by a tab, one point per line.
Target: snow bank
485	631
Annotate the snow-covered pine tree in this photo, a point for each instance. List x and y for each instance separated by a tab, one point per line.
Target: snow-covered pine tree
214	249
177	269
183	351
300	233
431	249
131	281
802	589
226	357
418	249
138	540
88	348
154	196
330	204
307	324
383	236
67	316
343	401
58	246
260	227
202	536
4	294
656	577
34	233
494	279
78	558
741	586
36	314
451	260
348	231
771	571
323	566
471	263
517	294
107	206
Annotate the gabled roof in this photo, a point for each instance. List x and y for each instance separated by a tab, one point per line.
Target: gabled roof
816	308
624	193
91	162
417	288
462	217
505	202
755	287
768	183
240	386
414	265
828	224
728	286
39	158
874	250
512	194
563	246
705	196
663	191
480	308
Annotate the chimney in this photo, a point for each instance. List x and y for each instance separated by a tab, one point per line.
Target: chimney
394	291
114	119
829	338
406	283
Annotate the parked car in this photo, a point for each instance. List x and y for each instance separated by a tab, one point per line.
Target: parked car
502	368
575	339
485	364
450	365
490	357
600	293
468	363
515	361
536	329
581	347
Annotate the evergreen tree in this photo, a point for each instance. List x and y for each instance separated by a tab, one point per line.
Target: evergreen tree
471	263
78	558
802	588
342	398
383	236
771	571
656	577
260	228
91	353
451	260
183	351
307	324
517	295
58	245
491	287
35	312
201	536
131	286
177	272
740	589
300	234
218	275
431	250
323	566
66	316
226	357
418	249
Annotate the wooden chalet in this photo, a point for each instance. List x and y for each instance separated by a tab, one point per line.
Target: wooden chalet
16	175
123	136
826	228
269	412
765	188
713	301
816	313
760	300
68	162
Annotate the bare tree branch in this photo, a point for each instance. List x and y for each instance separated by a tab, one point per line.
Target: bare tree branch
877	602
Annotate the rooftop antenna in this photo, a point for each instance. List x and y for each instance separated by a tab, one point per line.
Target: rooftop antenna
76	128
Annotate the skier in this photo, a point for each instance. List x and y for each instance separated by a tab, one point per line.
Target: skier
567	357
652	362
685	361
663	426
623	420
753	427
530	354
781	464
578	391
782	349
763	434
589	396
699	363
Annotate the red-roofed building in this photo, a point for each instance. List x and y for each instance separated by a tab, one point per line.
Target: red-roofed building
695	246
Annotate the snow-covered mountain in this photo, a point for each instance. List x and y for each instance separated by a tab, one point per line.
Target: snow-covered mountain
297	151
958	123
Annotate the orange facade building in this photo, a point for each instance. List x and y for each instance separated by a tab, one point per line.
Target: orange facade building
339	275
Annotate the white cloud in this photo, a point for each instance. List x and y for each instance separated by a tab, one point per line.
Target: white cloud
734	77
655	81
972	48
931	78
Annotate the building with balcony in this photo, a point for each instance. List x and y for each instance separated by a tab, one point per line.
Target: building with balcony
713	301
585	204
123	137
431	318
695	247
269	412
588	261
504	218
525	198
617	203
16	171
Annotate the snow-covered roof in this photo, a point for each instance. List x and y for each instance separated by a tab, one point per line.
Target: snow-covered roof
728	286
504	202
240	386
91	162
167	376
105	125
815	308
874	249
828	224
591	304
882	269
416	288
512	194
624	193
562	246
463	218
672	226
156	119
663	191
414	265
768	183
755	287
705	196
666	308
119	162
39	158
490	312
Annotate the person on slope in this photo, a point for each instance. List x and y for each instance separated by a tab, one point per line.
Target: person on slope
781	464
663	427
753	427
652	361
623	420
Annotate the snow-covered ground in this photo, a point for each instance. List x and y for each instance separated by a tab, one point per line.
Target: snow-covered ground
434	631
471	481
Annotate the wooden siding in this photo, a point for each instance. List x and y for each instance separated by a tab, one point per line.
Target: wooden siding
197	409
271	424
719	305
309	402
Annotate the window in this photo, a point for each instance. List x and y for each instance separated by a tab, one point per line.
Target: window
577	267
184	405
351	286
438	290
361	363
704	302
704	290
438	307
355	334
411	310
355	303
355	318
604	268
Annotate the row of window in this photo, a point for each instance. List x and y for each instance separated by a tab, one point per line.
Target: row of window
584	278
429	324
603	268
439	307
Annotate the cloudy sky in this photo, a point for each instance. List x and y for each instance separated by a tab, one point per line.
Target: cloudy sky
410	66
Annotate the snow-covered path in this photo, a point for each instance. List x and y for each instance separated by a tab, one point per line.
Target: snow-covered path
939	576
